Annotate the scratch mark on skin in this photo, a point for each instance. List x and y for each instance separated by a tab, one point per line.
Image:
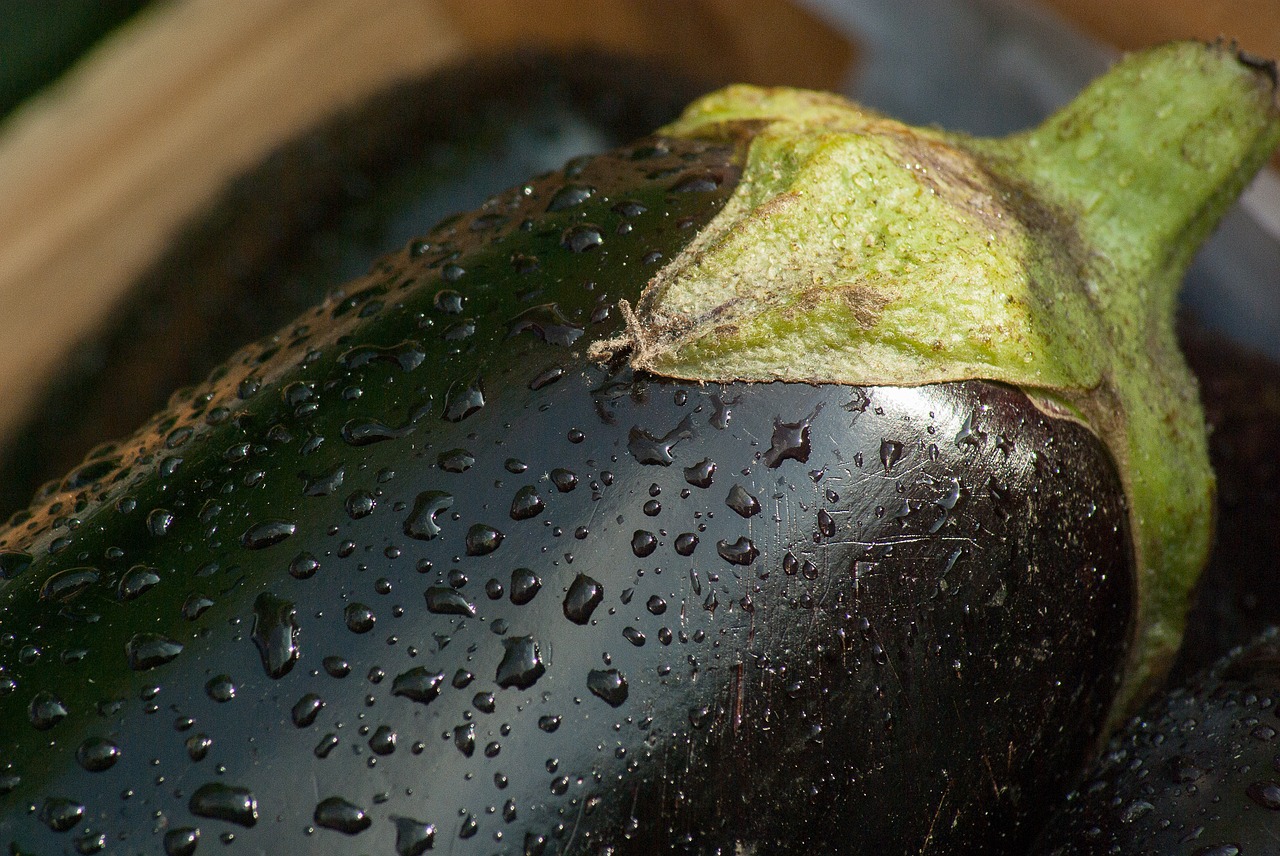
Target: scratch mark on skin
928	839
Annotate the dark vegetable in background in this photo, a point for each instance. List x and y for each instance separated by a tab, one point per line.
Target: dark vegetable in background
1196	774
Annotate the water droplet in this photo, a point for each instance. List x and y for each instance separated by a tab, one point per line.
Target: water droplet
60	814
306	709
267	533
526	503
656	605
195	606
570	196
790	441
336	667
149	650
563	479
456	461
360	504
325	484
413	837
198	746
634	636
826	523
359	618
326	745
521	664
275	632
524	585
584	595
581	238
890	454
13	563
643	543
220	688
444	600
1265	794
383	740
701	473
365	432
609	685
650	450
449	302
464	739
652	508
66	585
136	582
407	355
421	522
686	543
418	684
742	502
304	566
337	814
225	802
740	552
483	540
462	402
181	841
159	520
547	323
97	754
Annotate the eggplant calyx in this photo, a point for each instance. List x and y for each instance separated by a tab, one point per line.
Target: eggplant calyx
860	250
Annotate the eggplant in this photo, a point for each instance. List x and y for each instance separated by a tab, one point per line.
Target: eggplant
317	212
789	480
1195	773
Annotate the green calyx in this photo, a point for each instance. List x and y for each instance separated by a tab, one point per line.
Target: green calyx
860	250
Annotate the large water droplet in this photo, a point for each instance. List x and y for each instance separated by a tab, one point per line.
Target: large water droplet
60	814
326	483
701	473
149	650
570	196
97	754
521	664
407	355
359	618
418	684
742	502
13	563
66	585
584	595
267	533
608	685
740	552
483	539
790	441
136	582
46	710
446	600
581	238
275	632
643	543
890	454
181	841
647	449
524	585
413	837
526	503
306	709
421	522
548	324
217	801
686	543
461	402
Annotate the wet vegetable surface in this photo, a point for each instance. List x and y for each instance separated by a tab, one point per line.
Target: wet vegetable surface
417	572
1195	774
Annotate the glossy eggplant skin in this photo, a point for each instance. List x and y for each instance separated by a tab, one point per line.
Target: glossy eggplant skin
415	575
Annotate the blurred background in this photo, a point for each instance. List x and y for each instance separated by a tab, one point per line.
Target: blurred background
179	177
